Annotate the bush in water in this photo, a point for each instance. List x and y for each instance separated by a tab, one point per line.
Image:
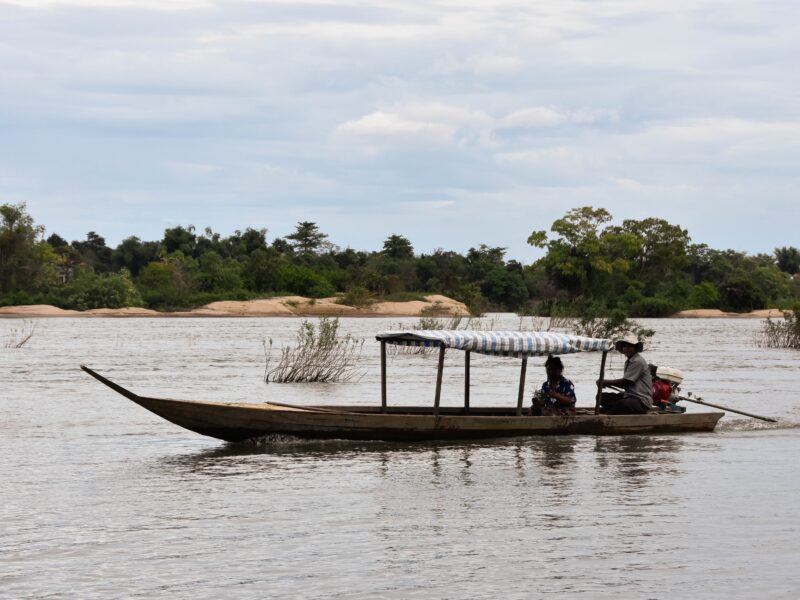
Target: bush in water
319	355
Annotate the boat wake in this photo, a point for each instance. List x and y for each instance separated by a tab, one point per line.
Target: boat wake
735	425
279	440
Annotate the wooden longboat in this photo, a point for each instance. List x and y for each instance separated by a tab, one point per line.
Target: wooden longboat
236	422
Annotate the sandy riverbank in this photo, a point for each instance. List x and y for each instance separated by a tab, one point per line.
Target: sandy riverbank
298	306
286	306
712	313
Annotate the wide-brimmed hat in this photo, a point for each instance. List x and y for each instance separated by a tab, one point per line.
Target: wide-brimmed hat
630	340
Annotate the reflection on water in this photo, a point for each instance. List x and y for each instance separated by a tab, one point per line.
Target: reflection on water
103	499
637	457
556	452
466	463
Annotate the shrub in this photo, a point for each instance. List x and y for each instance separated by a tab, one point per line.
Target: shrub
88	290
303	281
613	326
470	294
217	274
742	295
355	296
168	283
704	295
653	307
22	298
777	334
320	355
18	337
504	288
203	298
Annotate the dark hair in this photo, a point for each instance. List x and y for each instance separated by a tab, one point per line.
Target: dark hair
554	361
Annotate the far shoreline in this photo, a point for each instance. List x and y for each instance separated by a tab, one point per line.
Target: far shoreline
285	306
715	313
298	306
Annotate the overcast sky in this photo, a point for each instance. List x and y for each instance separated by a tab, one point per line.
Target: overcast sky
451	123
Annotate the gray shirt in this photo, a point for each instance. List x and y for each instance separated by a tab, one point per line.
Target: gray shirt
638	383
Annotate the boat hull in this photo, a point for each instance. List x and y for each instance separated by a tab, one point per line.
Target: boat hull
235	422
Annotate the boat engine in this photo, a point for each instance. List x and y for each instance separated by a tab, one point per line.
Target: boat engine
666	390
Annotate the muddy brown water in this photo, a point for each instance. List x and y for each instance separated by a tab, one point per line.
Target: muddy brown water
102	499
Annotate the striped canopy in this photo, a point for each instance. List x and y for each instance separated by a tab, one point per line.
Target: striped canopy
499	343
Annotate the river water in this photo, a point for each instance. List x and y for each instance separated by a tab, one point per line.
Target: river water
101	499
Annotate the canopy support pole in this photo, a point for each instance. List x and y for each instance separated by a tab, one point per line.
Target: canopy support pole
466	381
521	396
383	376
600	383
439	381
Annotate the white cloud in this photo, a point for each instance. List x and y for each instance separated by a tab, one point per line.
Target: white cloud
546	116
429	204
643	189
323	31
634	105
721	129
160	5
536	116
486	65
544	155
446	123
382	124
444	113
421	122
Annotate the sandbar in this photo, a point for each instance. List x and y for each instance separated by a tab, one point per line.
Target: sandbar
715	313
434	305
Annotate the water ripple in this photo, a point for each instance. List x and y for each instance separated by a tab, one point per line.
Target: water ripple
103	499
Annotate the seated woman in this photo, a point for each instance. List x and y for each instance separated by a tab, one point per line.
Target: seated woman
557	395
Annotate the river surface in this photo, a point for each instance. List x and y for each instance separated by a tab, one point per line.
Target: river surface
102	499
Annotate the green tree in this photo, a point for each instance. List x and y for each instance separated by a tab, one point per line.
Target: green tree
741	294
483	260
134	255
168	283
704	295
307	238
574	260
299	279
19	237
398	247
442	271
788	259
56	241
243	244
661	254
744	282
180	239
773	282
87	290
505	288
261	270
281	246
216	274
94	252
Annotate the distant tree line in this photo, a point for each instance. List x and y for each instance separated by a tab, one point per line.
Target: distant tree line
643	268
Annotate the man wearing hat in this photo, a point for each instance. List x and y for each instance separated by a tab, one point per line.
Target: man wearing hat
636	381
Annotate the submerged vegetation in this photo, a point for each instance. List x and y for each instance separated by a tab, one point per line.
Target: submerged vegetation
590	266
611	327
17	337
783	333
319	355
